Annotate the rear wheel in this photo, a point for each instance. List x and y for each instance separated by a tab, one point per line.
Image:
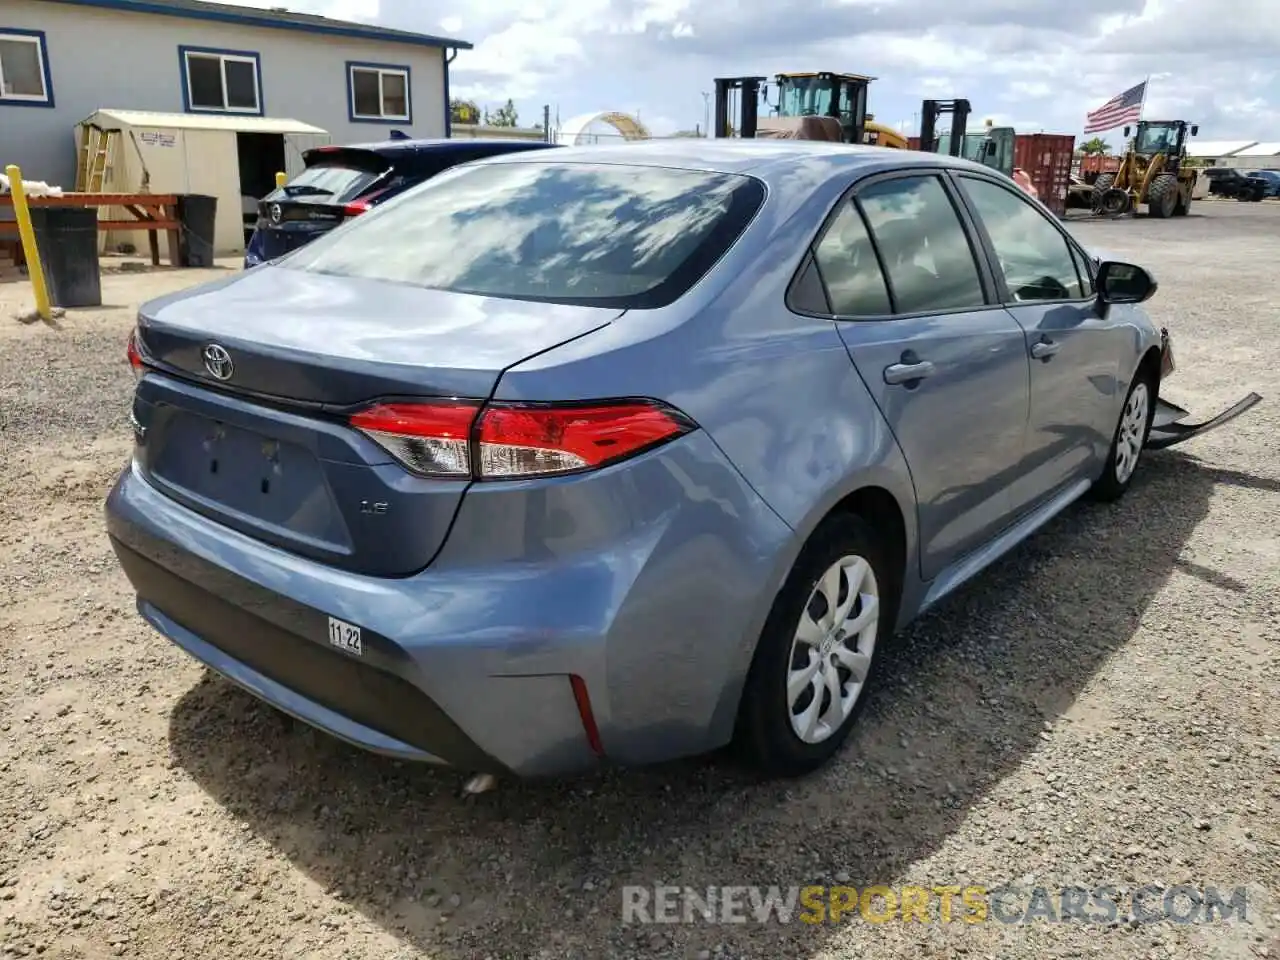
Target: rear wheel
1129	439
817	656
1162	195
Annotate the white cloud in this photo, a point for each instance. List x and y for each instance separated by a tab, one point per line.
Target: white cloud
1010	58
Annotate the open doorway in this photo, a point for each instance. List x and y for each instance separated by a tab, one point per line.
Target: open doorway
261	157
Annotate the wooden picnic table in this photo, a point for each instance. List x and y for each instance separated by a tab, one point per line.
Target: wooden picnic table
152	212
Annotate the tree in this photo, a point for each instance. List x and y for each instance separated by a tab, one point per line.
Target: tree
687	133
1096	145
463	111
504	116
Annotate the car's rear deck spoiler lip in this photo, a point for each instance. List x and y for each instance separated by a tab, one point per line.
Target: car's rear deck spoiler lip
1167	428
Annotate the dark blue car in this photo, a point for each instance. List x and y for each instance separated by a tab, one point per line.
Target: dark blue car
1273	181
342	182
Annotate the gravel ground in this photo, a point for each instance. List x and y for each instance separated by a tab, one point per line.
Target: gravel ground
1097	709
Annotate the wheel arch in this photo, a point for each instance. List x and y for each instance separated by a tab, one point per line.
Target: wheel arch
873	500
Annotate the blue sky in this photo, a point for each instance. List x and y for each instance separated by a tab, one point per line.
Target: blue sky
1037	64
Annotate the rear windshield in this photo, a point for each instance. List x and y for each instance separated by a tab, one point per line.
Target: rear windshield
326	183
610	235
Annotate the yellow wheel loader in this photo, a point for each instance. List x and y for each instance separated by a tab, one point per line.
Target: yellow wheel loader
822	105
1153	171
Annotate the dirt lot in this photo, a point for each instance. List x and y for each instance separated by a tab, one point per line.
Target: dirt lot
1098	709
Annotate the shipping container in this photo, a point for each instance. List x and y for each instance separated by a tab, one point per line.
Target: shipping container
913	143
1046	158
1098	163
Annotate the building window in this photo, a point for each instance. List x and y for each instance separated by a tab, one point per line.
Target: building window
378	92
24	68
221	81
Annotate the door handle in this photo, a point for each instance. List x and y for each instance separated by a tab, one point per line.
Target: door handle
1044	349
907	372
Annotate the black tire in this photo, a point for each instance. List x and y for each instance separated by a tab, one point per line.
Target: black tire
1113	483
1162	195
1104	183
764	737
1183	206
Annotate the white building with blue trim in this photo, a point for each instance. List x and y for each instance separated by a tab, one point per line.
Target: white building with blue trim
61	61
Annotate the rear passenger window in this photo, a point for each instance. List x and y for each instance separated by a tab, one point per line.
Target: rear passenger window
924	246
849	268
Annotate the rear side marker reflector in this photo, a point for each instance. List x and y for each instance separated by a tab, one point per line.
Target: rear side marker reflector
461	440
586	714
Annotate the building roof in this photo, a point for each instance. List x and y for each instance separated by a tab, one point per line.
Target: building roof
1269	149
1217	148
202	121
278	18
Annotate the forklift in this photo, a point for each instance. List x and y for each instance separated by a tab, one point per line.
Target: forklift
841	96
992	148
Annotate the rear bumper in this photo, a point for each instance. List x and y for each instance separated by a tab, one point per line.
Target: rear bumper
469	663
371	708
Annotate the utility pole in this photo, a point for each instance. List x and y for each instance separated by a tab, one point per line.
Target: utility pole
706	112
546	122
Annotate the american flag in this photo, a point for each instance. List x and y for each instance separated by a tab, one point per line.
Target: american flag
1116	112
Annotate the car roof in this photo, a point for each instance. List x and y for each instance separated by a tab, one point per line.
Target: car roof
394	148
773	161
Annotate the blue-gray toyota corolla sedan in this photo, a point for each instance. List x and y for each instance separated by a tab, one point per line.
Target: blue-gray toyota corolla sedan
619	454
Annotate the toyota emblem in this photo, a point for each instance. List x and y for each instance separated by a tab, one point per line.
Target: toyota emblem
275	213
218	362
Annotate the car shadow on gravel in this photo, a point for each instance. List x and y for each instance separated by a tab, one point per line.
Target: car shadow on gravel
969	693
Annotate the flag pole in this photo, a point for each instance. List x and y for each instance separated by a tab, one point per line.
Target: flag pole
1142	107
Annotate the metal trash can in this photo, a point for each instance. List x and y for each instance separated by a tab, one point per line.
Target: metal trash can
67	238
197	214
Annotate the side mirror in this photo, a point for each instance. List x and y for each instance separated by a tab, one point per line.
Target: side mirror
1195	129
1126	133
1124	283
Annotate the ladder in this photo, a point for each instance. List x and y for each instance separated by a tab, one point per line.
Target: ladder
96	157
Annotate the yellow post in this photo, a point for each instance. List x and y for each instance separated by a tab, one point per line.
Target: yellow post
28	235
281	177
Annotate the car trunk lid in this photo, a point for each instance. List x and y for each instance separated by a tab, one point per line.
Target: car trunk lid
243	420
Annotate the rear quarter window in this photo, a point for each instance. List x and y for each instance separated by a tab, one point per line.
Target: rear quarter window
614	235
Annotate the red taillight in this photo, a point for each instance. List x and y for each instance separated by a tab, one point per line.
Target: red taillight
430	439
135	356
356	207
524	441
514	441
